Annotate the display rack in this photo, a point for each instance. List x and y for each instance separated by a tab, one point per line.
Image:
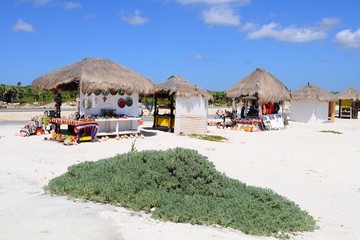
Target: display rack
345	112
85	130
164	120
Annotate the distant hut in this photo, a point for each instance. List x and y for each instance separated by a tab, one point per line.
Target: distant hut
186	106
312	104
94	78
259	85
349	103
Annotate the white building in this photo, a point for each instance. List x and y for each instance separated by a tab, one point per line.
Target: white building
311	104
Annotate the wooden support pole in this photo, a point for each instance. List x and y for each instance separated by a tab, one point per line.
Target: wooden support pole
259	108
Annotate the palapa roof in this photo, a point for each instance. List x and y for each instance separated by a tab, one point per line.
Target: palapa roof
180	87
312	92
262	84
94	74
350	93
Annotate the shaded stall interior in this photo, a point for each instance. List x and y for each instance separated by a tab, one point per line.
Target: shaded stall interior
164	111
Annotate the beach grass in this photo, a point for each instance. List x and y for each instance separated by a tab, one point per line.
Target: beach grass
180	185
213	138
331	131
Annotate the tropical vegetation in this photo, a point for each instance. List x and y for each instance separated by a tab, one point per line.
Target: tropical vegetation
180	185
25	94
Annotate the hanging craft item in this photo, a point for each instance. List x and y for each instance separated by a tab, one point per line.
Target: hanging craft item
87	103
121	92
112	91
129	92
86	92
121	103
129	101
105	93
97	92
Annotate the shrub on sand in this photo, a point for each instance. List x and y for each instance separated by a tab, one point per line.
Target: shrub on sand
181	185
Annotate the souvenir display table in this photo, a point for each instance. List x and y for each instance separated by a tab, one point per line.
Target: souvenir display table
84	130
273	121
253	124
249	124
118	126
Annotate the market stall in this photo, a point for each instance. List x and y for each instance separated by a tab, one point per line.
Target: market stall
180	107
261	95
312	104
349	103
115	111
108	94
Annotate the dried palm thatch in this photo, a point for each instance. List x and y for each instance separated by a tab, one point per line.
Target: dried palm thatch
262	84
181	87
312	92
94	74
350	93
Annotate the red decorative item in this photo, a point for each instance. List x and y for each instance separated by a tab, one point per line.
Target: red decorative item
104	98
121	103
140	122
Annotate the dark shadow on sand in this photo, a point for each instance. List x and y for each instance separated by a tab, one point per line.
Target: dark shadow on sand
145	131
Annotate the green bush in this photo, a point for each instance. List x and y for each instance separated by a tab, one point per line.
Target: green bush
181	185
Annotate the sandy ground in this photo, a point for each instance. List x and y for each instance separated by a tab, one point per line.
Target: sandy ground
319	171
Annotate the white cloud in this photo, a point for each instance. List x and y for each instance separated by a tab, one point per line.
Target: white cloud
134	18
71	5
218	12
221	15
213	2
289	34
329	23
348	39
294	33
247	27
196	57
21	26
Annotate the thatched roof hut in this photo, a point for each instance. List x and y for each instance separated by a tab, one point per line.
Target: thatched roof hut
93	74
312	92
349	103
262	84
350	93
312	104
181	87
191	105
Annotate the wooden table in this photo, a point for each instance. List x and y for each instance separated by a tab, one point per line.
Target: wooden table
84	129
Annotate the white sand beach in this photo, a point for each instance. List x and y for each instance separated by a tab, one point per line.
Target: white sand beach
319	171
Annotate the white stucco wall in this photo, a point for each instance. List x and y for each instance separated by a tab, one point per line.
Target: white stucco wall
309	111
191	115
110	101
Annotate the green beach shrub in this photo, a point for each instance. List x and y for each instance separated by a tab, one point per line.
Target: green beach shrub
331	131
181	185
213	138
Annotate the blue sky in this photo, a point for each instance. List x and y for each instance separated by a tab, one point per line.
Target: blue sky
211	43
